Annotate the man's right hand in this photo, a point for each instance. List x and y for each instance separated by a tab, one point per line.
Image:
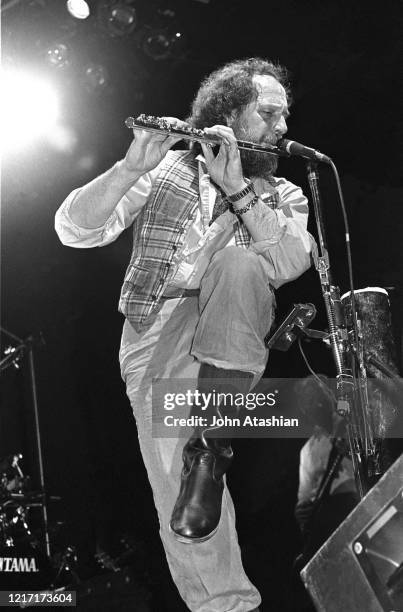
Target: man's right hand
148	149
95	202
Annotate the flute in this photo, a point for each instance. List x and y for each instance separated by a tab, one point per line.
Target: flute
162	126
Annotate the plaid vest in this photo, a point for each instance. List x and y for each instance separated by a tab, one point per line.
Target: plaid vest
159	231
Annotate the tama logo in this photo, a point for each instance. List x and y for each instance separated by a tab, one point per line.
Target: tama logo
18	564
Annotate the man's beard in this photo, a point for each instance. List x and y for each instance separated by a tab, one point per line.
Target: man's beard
254	164
258	165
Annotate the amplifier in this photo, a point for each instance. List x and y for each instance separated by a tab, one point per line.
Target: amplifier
360	567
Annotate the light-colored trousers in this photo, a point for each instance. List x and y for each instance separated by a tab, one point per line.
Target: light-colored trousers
225	327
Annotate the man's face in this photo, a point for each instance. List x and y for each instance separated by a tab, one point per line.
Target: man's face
263	122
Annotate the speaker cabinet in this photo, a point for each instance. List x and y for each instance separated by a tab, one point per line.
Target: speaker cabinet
360	567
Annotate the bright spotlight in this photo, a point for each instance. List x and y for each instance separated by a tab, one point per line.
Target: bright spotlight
28	108
78	9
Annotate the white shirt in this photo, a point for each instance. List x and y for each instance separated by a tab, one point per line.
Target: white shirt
201	240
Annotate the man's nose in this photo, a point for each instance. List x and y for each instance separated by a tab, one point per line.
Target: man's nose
281	127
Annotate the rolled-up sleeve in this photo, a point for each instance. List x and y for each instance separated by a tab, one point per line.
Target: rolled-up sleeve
121	217
288	251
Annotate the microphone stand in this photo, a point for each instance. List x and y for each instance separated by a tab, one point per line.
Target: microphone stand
27	346
351	396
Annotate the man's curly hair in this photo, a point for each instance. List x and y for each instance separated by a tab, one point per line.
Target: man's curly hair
230	89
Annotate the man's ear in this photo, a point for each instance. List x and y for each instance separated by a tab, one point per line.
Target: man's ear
232	118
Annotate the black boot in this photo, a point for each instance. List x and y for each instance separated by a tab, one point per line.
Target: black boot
197	510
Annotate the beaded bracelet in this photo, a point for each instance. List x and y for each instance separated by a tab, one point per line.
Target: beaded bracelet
241	194
247	206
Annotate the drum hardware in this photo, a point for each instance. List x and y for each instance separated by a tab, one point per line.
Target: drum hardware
13	484
66	562
15	502
12	357
294	325
26	348
106	562
130	548
130	551
25	564
28	548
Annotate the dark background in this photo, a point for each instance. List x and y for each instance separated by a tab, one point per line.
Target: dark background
343	57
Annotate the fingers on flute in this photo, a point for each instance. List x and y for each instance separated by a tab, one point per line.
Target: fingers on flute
225	133
145	137
207	152
142	136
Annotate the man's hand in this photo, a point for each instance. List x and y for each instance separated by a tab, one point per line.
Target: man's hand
148	149
95	202
225	168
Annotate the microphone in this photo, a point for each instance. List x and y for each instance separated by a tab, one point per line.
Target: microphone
295	148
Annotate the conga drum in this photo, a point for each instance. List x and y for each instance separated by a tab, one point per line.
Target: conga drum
379	352
373	313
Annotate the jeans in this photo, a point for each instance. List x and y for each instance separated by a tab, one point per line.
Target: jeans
225	326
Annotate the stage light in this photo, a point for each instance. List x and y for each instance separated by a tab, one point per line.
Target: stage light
78	9
58	56
161	44
28	108
157	44
96	77
119	19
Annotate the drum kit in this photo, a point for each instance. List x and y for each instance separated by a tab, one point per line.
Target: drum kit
29	560
13	501
25	555
23	562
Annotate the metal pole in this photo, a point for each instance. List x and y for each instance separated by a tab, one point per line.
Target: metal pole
349	400
29	342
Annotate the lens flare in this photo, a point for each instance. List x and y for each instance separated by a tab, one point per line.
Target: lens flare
78	9
28	108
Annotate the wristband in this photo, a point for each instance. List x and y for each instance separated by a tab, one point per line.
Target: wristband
247	206
241	194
